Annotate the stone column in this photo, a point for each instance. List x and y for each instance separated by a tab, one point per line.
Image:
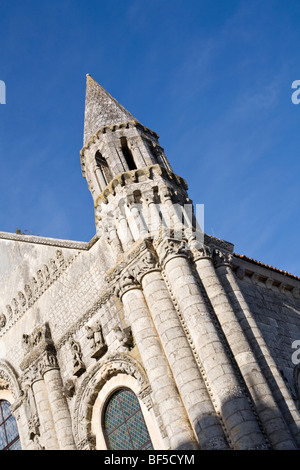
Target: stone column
164	389
115	158
154	219
49	438
135	220
266	407
59	409
45	404
178	351
124	232
100	178
107	227
239	314
175	218
134	146
228	394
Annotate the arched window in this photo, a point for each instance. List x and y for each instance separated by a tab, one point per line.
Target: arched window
9	435
102	164
124	424
127	154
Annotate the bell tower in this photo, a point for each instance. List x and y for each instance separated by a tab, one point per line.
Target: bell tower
135	192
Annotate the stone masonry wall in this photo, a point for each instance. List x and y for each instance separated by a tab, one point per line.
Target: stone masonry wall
277	313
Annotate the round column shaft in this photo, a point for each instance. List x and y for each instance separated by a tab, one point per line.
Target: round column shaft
60	410
229	396
184	367
49	438
160	377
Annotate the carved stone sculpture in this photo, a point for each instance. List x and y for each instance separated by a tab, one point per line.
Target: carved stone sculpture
124	337
95	335
31	413
78	364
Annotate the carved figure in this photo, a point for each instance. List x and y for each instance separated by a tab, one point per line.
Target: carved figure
95	335
78	364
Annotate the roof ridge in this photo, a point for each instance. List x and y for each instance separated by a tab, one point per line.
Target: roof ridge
281	271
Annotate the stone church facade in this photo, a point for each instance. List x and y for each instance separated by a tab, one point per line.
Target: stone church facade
153	335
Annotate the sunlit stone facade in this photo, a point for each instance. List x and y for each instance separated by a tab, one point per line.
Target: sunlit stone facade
153	335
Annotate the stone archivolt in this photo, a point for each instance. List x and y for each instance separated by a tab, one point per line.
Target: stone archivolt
9	380
92	383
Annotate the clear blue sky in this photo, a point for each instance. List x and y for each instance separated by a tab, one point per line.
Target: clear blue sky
213	78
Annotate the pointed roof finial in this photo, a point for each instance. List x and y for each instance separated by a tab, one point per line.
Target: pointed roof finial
101	109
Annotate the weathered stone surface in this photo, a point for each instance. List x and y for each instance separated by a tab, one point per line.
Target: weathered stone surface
203	337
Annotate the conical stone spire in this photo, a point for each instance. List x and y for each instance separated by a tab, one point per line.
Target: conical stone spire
101	109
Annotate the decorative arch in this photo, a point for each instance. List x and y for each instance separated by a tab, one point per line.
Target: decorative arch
115	384
116	371
9	385
10	394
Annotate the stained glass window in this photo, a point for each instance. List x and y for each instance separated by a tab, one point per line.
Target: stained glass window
9	435
124	424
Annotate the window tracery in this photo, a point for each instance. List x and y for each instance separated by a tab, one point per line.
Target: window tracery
123	423
9	434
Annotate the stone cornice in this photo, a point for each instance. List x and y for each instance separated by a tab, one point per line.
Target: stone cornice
259	264
115	127
134	176
75	245
262	275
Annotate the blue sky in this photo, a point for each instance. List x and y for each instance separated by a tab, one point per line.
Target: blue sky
212	78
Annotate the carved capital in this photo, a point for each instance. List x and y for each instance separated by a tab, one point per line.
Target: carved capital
48	361
221	258
170	248
201	252
31	375
40	353
147	262
124	283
